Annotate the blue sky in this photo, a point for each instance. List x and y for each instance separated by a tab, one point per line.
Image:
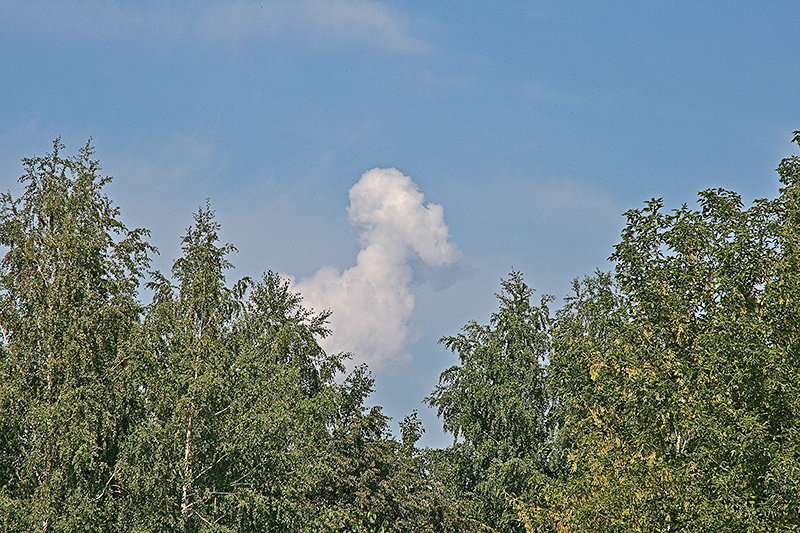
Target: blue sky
534	125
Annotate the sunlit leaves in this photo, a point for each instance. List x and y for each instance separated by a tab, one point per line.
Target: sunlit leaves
677	377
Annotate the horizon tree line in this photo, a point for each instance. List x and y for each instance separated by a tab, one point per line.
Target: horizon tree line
662	395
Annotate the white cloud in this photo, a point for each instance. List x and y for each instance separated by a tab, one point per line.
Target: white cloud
319	24
373	301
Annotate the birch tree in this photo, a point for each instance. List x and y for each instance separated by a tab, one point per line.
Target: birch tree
176	455
68	312
495	404
247	427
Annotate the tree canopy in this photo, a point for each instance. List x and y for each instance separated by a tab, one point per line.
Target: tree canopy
664	394
213	408
495	404
678	377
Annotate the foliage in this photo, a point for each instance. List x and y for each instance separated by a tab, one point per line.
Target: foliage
672	390
68	313
664	395
679	377
495	404
212	409
247	428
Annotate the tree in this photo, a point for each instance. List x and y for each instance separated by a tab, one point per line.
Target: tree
495	404
678	377
68	312
177	459
247	427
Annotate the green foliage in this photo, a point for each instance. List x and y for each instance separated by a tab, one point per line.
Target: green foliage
183	378
679	378
212	409
495	404
664	395
673	384
247	428
68	312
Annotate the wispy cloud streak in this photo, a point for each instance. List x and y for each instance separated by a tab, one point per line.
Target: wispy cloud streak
319	24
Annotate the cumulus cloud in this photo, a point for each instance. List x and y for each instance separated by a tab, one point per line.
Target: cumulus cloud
373	301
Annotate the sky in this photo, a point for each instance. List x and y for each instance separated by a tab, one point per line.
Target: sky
397	160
